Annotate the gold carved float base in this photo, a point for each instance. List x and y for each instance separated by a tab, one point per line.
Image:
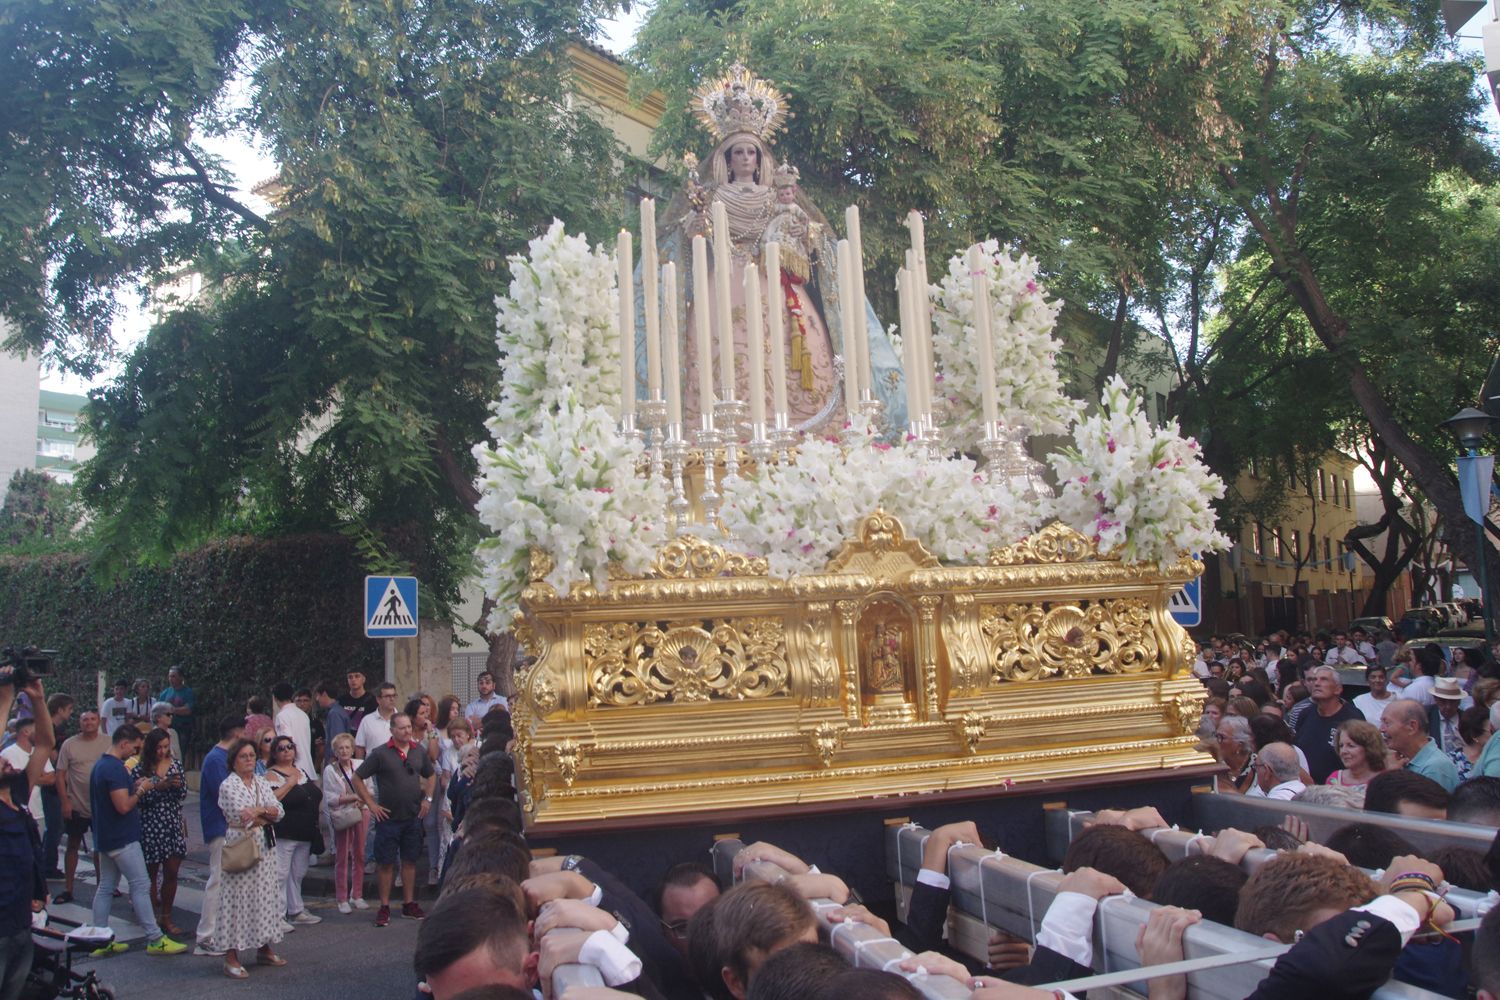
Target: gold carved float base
711	685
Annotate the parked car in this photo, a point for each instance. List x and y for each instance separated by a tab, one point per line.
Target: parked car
1373	625
1419	622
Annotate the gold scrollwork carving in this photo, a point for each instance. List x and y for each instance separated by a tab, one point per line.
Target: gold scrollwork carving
1183	713
569	757
816	633
636	663
1056	543
540	564
970	730
1029	642
881	536
689	557
825	741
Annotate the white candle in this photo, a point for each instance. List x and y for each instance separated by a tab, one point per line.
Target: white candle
648	293
921	376
918	267
624	260
721	306
778	330
861	324
757	339
980	283
908	343
673	368
702	329
846	296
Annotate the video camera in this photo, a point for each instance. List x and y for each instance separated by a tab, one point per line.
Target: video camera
26	663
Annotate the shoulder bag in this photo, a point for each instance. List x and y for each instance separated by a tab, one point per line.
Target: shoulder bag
247	852
349	814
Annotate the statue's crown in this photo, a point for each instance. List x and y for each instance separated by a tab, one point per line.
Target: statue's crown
786	175
740	102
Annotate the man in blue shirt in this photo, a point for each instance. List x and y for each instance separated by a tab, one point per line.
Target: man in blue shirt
1404	727
215	770
115	799
183	701
335	720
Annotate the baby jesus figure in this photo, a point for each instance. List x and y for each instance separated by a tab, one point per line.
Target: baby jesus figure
794	230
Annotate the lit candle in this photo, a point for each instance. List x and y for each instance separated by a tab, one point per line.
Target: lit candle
674	370
702	330
908	343
980	282
778	330
757	347
721	306
851	358
861	322
624	260
648	293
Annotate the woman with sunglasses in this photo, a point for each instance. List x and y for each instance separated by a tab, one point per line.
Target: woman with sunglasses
260	736
297	828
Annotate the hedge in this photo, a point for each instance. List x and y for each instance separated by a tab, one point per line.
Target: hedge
238	615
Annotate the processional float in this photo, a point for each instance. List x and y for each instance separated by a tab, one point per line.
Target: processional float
851	582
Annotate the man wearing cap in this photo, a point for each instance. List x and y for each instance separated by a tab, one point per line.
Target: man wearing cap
1448	699
161	717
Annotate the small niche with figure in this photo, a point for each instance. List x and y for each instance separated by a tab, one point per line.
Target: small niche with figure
887	661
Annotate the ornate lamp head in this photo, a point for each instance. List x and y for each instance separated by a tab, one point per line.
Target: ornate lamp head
740	102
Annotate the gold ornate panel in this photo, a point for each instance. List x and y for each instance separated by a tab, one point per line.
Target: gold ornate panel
710	684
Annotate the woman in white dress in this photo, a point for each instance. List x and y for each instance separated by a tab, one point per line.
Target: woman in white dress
251	901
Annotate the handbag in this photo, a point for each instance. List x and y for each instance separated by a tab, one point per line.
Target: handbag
245	853
347	815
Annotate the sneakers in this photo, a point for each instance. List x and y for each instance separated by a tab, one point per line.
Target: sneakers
287	928
369	868
165	946
113	948
359	903
208	951
411	911
383	917
344	906
305	918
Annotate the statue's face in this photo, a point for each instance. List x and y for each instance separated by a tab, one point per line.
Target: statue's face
787	195
744	160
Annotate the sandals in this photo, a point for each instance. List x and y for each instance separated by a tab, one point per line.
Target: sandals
272	960
236	971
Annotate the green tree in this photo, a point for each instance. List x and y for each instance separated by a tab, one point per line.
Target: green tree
39	513
337	369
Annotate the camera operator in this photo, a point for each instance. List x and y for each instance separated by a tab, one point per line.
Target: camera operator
20	843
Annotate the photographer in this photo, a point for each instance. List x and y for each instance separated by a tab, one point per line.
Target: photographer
20	844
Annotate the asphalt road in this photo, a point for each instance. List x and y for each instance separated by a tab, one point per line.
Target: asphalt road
342	956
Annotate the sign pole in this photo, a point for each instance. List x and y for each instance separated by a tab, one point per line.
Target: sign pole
390	661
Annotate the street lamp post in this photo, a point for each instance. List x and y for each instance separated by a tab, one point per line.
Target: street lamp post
1475	474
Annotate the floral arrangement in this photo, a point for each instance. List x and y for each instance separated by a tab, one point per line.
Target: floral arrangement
570	489
556	330
1138	490
785	513
1029	389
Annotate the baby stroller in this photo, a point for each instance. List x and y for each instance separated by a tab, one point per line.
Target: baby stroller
57	942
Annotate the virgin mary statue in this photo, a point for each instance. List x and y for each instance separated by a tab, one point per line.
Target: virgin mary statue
764	203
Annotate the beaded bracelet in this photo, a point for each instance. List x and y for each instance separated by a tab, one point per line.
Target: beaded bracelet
1426	880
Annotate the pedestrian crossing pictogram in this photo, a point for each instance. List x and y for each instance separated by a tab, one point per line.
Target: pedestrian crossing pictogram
390	607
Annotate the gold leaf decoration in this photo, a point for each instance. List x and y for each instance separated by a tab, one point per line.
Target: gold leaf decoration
1032	641
1056	543
640	663
689	557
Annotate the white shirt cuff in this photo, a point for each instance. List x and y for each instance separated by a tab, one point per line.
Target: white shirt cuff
1068	927
1407	920
615	962
926	876
619	933
597	896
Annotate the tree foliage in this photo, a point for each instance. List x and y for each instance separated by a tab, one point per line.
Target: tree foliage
335	372
40	514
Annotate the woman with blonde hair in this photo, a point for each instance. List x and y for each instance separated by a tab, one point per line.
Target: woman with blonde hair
1361	751
350	820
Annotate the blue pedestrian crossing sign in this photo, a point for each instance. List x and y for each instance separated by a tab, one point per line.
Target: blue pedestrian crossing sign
391	607
1186	606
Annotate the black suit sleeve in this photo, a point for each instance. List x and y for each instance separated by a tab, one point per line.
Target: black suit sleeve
1047	966
1350	955
662	965
926	916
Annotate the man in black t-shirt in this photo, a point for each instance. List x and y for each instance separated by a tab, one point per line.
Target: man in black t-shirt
1317	728
357	701
404	782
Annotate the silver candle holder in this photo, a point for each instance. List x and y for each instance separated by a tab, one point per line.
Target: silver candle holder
871	407
783	438
761	449
1005	459
708	440
629	427
651	415
729	415
675	452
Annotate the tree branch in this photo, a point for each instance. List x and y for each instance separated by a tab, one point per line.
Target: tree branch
215	194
